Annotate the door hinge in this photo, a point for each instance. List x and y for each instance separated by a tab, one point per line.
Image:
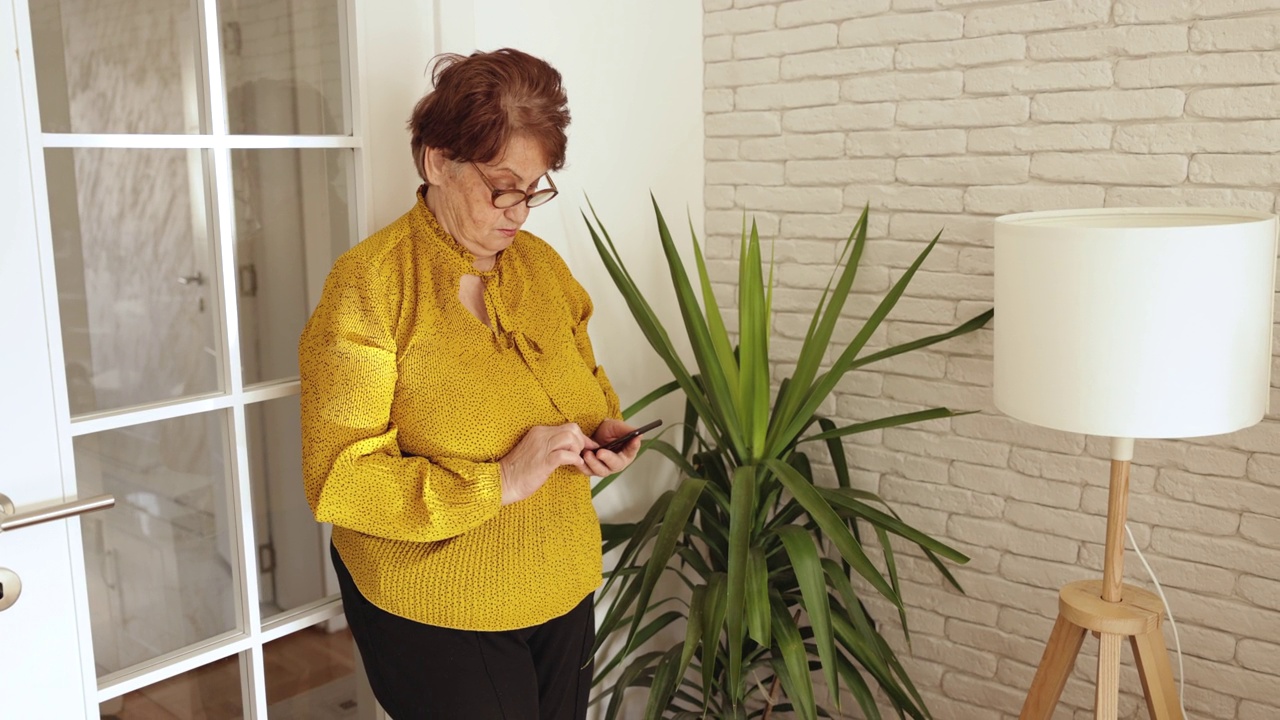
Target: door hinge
266	558
248	280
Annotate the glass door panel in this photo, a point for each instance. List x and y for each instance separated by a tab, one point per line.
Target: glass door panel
311	676
118	67
293	549
134	259
294	216
284	67
161	247
160	563
211	692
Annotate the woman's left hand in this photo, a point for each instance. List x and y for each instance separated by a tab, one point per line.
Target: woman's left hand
601	462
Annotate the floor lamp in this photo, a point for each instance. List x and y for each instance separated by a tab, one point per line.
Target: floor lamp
1129	323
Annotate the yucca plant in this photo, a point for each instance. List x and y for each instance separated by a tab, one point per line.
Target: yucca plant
765	554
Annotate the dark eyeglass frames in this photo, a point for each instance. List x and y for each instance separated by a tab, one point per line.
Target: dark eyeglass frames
504	199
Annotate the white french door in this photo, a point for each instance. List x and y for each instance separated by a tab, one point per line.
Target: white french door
177	178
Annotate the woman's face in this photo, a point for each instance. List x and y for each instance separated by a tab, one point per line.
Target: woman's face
462	201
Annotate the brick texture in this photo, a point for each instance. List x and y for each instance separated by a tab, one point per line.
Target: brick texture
940	115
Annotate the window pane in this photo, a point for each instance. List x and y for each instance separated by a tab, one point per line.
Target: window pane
210	692
284	67
136	275
293	219
311	674
115	67
295	567
159	564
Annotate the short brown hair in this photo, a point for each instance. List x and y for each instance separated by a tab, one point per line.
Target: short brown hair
480	102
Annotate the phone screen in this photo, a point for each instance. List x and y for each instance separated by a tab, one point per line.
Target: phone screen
619	443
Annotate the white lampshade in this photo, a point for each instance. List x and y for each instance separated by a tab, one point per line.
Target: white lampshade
1135	322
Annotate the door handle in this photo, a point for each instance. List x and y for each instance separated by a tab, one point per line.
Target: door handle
10	520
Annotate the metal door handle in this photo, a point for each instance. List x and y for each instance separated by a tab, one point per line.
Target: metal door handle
9	520
197	279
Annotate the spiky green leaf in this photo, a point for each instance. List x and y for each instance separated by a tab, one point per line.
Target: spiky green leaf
814	504
742	513
807	566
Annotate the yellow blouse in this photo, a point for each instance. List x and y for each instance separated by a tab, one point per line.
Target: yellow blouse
409	400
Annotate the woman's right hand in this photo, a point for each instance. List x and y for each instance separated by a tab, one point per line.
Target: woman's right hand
543	449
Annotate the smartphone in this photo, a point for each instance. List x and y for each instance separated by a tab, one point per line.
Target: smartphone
619	443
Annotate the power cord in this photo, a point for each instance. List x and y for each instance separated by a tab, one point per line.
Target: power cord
1182	675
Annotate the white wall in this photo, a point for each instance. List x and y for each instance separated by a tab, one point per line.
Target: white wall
633	73
943	114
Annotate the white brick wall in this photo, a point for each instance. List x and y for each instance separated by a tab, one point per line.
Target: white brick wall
942	114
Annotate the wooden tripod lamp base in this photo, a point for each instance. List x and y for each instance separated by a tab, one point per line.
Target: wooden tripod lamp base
1112	611
1138	617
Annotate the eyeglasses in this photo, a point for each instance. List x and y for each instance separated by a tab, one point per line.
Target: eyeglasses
503	199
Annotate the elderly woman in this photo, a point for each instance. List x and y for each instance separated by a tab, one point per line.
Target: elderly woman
452	411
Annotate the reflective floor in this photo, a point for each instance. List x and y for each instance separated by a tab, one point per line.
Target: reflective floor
310	674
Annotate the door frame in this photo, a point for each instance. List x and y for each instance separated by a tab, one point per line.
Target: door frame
43	556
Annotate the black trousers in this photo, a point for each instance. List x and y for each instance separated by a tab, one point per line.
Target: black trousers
424	672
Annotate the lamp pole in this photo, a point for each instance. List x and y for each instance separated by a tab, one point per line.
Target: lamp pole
1108	688
1117	513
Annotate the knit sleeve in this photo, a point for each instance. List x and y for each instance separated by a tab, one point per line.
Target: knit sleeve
582	301
354	472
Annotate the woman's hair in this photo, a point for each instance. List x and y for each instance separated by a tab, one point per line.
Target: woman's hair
480	102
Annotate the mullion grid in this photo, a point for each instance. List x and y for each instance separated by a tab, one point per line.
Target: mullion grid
252	665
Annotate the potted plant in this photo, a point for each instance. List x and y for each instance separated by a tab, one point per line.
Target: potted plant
765	555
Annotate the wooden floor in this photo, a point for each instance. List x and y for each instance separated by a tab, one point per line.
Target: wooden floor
296	664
